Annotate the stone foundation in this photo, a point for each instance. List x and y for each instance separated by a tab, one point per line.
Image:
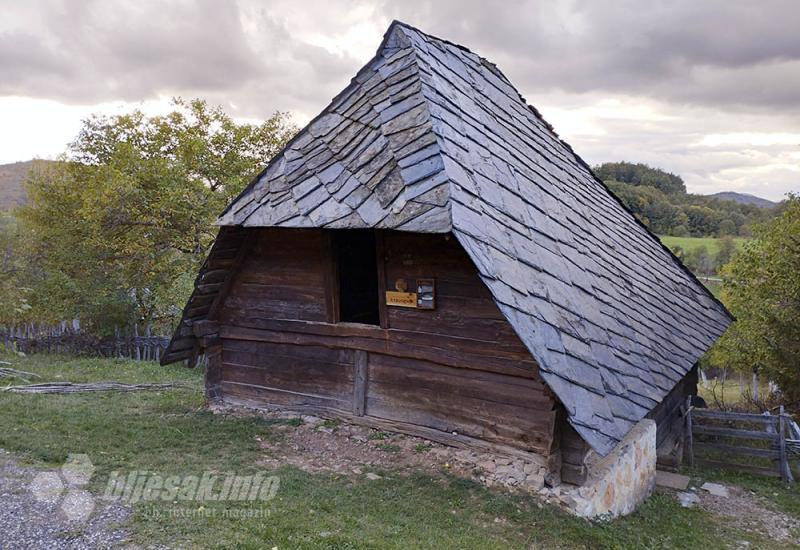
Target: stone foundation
618	483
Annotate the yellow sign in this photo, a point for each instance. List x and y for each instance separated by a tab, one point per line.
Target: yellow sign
401	299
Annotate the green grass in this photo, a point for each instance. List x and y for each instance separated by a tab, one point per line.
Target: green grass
726	394
690	243
169	432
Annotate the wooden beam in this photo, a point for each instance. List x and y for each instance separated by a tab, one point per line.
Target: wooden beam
360	382
786	472
331	274
453	440
723	415
732	432
689	437
380	258
225	286
448	351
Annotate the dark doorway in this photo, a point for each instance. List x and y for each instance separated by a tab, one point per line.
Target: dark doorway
358	276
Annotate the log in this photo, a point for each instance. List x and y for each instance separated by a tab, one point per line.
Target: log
69	387
736	449
13	373
722	415
731	432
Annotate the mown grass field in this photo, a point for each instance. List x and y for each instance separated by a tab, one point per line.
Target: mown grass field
690	243
171	433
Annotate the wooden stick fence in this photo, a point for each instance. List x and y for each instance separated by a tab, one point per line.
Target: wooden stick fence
70	338
753	443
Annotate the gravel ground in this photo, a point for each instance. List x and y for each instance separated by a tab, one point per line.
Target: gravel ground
31	523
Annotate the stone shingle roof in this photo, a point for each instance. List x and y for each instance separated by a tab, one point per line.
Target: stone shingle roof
430	137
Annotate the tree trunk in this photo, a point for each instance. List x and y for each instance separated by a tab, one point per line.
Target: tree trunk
755	387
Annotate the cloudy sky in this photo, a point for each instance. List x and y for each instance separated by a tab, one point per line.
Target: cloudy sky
706	89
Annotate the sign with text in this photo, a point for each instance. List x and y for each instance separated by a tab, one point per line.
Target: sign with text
401	299
413	293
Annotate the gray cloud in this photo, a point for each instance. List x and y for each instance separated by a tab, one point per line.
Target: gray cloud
718	52
709	52
716	66
94	51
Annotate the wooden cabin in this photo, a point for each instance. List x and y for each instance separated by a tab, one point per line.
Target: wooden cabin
428	256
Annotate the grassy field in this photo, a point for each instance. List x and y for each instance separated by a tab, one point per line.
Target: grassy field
171	433
690	243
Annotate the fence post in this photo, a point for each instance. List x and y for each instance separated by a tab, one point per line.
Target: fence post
148	350
136	341
786	472
689	443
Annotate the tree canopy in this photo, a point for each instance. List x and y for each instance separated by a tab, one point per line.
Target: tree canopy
641	175
761	287
117	230
659	199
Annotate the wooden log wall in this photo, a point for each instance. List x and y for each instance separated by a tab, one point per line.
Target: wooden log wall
459	368
670	423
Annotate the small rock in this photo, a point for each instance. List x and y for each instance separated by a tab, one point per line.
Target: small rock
310	420
487	465
530	468
688	500
715	489
534	483
372	477
671	480
325	429
502	461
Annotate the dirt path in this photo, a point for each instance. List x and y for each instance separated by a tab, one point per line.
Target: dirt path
35	510
752	513
316	446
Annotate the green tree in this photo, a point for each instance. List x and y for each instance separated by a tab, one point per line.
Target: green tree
726	250
761	287
13	293
659	199
727	227
640	174
699	261
119	228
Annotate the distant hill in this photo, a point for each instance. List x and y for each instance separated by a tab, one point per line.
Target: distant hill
12	179
659	199
744	198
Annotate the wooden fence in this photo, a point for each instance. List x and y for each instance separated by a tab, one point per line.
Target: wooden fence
68	337
753	443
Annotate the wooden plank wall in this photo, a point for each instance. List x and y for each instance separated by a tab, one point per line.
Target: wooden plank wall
670	423
459	368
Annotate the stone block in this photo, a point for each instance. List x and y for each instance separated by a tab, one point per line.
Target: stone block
672	481
620	481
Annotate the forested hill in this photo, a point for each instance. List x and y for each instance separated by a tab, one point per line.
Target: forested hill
659	199
744	198
12	183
